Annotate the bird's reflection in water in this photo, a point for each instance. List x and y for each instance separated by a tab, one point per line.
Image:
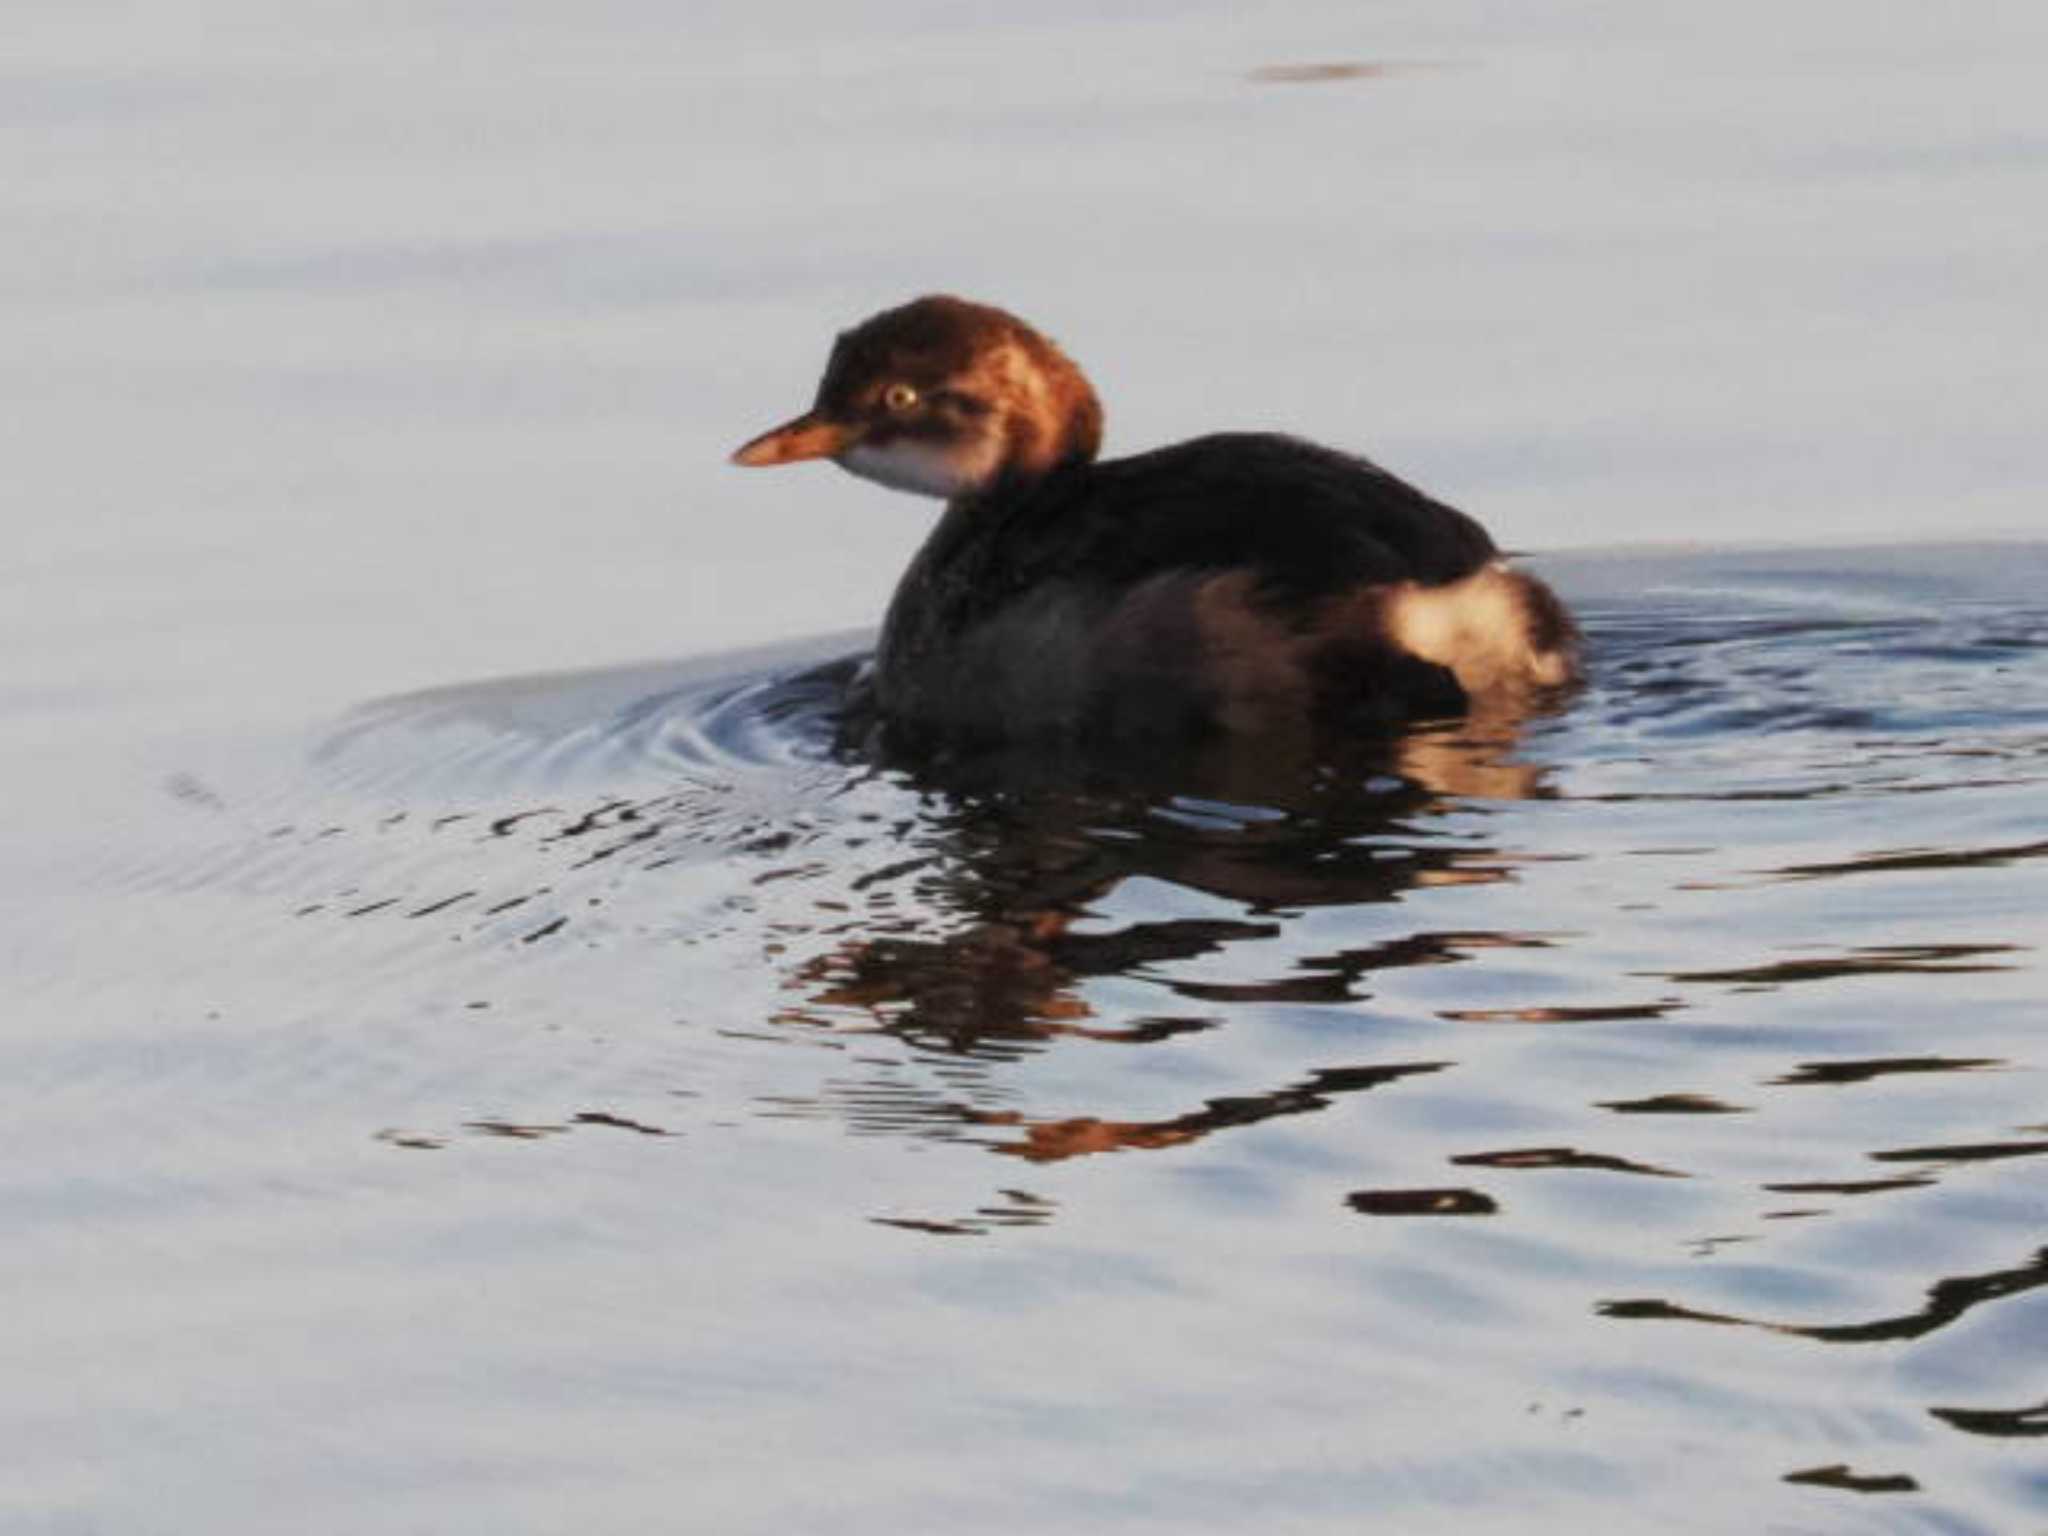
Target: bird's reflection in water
1053	1140
973	908
1028	848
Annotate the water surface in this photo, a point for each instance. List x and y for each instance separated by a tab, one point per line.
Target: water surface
592	1092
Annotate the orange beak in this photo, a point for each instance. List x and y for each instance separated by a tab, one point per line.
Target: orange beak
809	436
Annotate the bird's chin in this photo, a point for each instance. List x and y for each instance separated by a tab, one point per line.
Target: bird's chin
920	468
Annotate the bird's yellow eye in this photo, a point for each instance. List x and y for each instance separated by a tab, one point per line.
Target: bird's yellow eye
900	398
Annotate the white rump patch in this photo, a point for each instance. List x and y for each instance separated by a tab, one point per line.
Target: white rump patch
1480	628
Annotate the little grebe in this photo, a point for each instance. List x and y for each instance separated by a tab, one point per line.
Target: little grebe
1245	582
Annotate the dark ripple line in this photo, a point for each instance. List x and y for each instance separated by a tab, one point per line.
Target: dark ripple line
1834	1073
1947	1300
1940	858
1876	960
1422	1202
1849	1186
2001	1422
1050	1139
1673	1104
1840	1476
1829	791
1565	1157
1964	1152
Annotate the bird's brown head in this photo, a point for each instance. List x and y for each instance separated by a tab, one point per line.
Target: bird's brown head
944	398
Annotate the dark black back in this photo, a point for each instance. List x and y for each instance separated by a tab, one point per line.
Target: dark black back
1308	520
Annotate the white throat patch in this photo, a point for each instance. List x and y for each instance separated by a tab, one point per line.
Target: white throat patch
924	469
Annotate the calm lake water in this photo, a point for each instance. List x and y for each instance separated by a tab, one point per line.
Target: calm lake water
463	1077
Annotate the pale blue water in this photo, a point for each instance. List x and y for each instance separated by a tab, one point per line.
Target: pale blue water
569	1097
586	1097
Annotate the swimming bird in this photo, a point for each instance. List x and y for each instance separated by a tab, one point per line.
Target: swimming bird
1247	584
